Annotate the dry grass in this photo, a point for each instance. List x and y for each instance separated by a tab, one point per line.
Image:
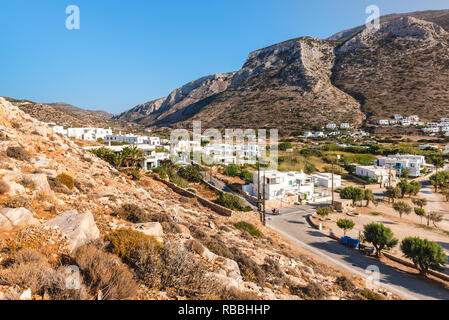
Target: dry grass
18	153
4	187
104	274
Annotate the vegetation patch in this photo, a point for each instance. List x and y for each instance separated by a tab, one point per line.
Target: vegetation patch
250	228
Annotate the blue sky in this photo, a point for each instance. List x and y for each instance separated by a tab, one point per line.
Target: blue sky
129	52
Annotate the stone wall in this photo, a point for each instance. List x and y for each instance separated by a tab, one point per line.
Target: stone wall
205	202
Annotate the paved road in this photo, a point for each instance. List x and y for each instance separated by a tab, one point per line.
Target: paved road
292	223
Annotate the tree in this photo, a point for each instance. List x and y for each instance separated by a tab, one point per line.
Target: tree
232	170
437	162
132	156
393	193
368	196
246	176
435	217
284	146
190	173
352	193
420	212
405	187
415	188
445	193
402	208
425	254
380	236
345	224
420	202
324	212
405	172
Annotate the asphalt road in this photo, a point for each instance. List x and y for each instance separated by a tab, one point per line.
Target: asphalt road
292	223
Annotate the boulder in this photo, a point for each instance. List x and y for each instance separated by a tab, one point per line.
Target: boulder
18	217
15	189
40	182
78	228
150	229
26	295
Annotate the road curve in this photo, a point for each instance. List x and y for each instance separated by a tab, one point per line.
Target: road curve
292	224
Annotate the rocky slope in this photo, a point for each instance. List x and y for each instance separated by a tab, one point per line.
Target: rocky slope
178	249
356	76
67	115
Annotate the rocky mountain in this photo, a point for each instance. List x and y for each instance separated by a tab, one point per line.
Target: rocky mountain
356	76
67	115
61	206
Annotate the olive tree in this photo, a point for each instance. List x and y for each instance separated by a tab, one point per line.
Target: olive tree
425	254
380	236
345	224
402	208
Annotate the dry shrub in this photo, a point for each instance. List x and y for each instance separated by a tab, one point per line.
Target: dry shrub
66	180
195	246
4	187
273	271
57	186
218	247
46	241
29	269
104	272
132	213
312	291
345	283
131	245
28	182
177	268
249	269
18	153
15	202
233	293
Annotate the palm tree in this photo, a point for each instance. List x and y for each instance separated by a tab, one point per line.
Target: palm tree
132	156
437	162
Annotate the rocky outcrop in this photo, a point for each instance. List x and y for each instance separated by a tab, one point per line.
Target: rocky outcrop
79	228
153	229
11	218
406	28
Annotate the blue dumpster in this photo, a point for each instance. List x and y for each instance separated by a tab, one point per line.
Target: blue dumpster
345	240
354	243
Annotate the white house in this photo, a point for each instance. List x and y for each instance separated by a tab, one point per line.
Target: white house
398	117
406	123
427	146
381	175
127	138
308	134
384	122
413	118
325	180
331	126
399	162
90	134
345	126
283	184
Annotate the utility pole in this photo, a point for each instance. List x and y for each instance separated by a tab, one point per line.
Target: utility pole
264	199
332	188
258	191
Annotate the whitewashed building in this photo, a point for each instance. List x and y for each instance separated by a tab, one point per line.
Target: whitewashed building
325	180
381	175
398	162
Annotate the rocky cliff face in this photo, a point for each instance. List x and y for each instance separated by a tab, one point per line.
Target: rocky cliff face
357	76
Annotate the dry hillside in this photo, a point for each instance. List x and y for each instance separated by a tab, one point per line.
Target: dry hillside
62	206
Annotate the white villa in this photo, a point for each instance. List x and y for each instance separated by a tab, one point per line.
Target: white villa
325	180
280	185
382	175
384	122
399	162
89	134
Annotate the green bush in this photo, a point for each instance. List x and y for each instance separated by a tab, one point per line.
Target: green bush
246	176
232	170
324	212
370	295
380	236
190	173
231	201
284	146
250	228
